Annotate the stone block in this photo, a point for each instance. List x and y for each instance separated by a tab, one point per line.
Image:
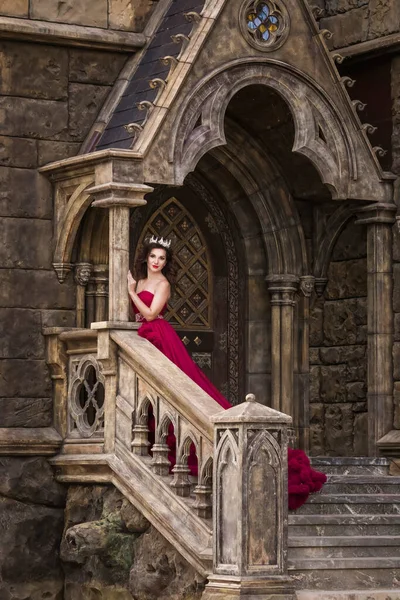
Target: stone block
339	430
396	402
347	279
343	354
129	15
33	71
25	243
259	384
258	344
91	66
396	361
58	318
24	193
361	434
85	102
31	480
340	323
396	288
20	333
315	383
356	391
352	243
314	356
26	412
384	18
259	298
33	118
18	152
50	151
255	254
333	7
35	289
317	323
14	8
24	378
85	12
347	28
333	384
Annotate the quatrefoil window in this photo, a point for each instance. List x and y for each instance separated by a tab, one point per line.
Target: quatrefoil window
264	23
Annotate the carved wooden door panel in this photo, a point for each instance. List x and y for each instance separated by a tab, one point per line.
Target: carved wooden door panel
198	305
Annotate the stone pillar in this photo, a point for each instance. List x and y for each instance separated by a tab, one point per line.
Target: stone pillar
283	290
119	198
250	505
83	271
379	219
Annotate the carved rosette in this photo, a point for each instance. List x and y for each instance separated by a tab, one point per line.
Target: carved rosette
265	24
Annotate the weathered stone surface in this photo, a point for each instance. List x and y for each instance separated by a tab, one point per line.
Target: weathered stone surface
395	73
26	412
14	8
356	391
317	323
257	343
396	402
352	243
18	152
339	430
34	250
314	356
315	383
85	102
85	12
21	288
396	287
99	68
30	539
24	378
343	354
33	118
79	591
333	379
24	193
333	7
158	571
33	71
31	480
396	361
347	279
58	318
342	321
50	151
129	15
20	334
348	28
317	416
384	18
361	434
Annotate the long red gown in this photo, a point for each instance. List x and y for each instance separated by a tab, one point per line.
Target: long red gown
303	480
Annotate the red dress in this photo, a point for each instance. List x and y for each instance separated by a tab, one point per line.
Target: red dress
303	480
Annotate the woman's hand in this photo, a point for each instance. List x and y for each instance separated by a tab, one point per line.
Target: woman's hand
131	282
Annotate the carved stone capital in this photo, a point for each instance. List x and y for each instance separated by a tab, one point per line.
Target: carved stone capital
320	285
307	284
283	289
380	212
107	195
62	270
83	272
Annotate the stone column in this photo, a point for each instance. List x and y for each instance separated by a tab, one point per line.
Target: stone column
119	198
83	271
379	219
250	505
283	290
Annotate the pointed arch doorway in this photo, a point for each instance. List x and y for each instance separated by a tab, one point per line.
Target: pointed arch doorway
206	304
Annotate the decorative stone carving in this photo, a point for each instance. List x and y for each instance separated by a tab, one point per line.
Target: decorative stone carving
86	398
264	24
307	283
83	272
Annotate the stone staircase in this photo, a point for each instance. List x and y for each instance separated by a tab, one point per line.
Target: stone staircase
344	543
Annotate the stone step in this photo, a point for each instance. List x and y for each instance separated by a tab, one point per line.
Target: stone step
343	525
353	484
351	465
370	594
351	504
343	546
344	573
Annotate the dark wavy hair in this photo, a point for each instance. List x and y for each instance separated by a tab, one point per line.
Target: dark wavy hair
140	268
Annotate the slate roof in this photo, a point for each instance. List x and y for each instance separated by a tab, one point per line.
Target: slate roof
149	67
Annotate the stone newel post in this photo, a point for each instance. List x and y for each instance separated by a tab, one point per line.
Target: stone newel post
379	219
119	198
250	504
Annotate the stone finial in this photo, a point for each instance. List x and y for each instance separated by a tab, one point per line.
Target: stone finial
250	398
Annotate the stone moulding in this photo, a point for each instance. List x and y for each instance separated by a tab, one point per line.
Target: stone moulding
70	35
38	441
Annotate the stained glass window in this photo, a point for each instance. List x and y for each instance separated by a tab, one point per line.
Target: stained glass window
265	22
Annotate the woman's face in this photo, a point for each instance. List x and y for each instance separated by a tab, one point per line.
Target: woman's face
156	260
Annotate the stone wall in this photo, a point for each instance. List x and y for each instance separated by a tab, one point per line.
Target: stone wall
355	21
111	552
31	517
338	337
127	15
49	98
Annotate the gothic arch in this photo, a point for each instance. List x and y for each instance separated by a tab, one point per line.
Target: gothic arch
320	133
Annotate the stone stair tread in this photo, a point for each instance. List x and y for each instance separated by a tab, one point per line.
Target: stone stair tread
368	562
304	541
344	519
360	479
354	499
371	594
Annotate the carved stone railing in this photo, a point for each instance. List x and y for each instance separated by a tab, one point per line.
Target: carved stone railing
118	399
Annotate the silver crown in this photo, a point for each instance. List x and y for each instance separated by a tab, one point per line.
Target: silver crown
156	240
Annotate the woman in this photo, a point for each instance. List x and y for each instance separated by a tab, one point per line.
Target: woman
150	291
